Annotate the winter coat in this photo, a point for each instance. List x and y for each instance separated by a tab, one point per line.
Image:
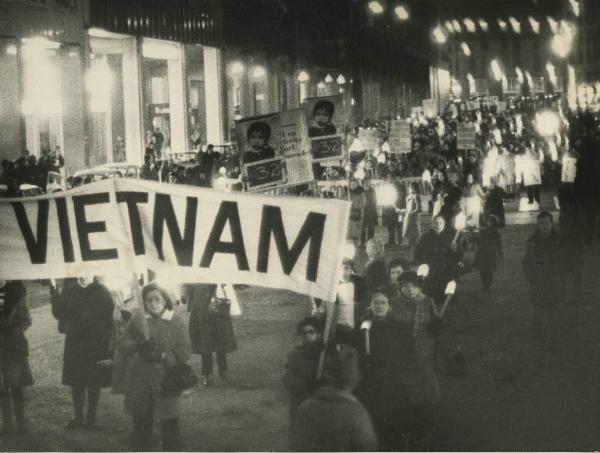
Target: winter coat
416	315
386	371
370	207
494	204
544	266
145	377
489	246
209	331
14	349
435	250
86	316
333	420
300	378
359	201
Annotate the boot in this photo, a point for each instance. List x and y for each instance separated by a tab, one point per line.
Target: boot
7	420
22	425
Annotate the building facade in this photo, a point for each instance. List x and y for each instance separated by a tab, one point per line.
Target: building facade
100	79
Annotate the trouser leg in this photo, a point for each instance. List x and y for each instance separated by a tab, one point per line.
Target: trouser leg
142	431
530	194
78	396
7	412
19	406
486	278
207	364
222	362
171	440
93	398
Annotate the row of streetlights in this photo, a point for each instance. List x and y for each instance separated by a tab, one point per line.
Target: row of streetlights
237	68
400	11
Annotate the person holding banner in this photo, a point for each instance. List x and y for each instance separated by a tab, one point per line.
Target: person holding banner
156	341
84	312
15	373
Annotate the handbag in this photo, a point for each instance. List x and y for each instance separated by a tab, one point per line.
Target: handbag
178	378
219	306
355	214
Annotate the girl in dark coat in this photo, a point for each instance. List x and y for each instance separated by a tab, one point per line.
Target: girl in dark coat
489	246
85	313
15	371
387	358
210	328
494	202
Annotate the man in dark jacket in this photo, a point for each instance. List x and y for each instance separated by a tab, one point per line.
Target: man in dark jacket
543	268
436	248
333	419
300	378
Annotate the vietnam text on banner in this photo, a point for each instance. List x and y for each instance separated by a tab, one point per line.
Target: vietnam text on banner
197	235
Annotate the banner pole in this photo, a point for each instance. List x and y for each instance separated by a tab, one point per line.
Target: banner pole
330	307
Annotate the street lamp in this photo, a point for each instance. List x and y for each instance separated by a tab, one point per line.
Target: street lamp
466	49
258	72
401	12
236	68
471	28
328	78
375	7
439	36
483	25
341	80
535	25
303	77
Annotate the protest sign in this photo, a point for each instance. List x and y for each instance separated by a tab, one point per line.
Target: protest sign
369	138
295	147
569	169
197	235
400	139
264	173
430	107
280	135
327	115
415	111
327	118
465	136
327	148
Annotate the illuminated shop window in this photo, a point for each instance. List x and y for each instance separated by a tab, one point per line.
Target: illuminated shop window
42	101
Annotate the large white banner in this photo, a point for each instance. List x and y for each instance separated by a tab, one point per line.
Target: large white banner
181	232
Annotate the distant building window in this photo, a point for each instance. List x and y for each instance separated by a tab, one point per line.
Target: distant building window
65	3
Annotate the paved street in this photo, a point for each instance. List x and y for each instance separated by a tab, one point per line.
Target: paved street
552	409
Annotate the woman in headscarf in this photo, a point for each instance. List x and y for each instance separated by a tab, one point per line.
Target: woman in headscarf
156	339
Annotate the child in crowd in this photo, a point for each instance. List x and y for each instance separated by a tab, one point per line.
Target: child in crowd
489	246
